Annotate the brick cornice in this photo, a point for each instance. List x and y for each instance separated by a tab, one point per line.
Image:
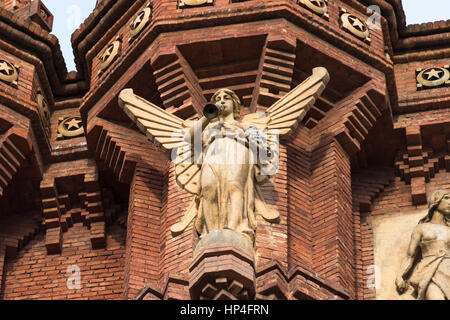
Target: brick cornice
406	39
30	37
104	16
286	13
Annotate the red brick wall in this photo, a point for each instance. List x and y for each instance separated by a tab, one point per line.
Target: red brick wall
35	275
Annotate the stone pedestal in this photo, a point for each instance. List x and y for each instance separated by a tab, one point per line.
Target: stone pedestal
222	272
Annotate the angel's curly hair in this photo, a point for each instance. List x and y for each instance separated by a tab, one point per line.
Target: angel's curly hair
433	203
234	97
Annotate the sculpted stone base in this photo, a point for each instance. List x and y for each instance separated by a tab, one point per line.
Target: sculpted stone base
225	236
222	272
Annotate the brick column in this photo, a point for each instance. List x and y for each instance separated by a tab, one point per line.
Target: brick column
143	230
332	224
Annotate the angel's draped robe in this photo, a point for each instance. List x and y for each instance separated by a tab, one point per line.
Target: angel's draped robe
228	181
434	266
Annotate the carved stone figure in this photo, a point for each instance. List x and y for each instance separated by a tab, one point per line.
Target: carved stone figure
427	263
224	162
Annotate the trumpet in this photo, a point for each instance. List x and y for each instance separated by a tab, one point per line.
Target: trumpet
211	110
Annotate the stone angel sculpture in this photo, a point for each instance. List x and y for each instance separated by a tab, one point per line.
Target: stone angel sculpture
223	163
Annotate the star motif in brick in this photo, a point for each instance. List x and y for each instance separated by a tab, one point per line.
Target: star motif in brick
357	24
138	20
45	109
107	53
434	73
5	68
318	3
74	123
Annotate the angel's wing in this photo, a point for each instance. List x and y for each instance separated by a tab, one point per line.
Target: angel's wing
284	115
278	122
168	131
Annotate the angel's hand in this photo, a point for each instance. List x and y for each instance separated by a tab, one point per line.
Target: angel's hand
401	285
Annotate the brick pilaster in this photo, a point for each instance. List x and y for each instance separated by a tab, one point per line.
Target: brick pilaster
143	234
332	214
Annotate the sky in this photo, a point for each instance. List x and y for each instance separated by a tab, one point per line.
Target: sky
69	14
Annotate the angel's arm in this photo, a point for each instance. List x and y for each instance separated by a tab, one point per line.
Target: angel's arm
197	128
408	262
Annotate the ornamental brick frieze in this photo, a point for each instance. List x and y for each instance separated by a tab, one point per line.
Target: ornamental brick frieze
9	72
419	164
431	78
68	199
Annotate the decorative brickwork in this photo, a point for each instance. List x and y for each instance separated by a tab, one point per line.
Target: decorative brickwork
373	145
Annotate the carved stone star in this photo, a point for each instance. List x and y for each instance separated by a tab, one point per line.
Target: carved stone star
318	3
107	53
433	73
138	20
74	123
5	68
357	24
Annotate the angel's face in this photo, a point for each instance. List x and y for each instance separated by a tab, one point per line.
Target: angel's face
226	101
444	205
